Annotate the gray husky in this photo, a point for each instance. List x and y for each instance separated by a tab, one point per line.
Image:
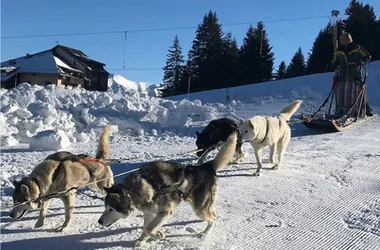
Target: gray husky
59	172
159	188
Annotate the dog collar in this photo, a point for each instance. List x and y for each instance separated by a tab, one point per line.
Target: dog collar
35	180
267	129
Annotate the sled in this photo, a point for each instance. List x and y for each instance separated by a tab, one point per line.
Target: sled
332	125
344	107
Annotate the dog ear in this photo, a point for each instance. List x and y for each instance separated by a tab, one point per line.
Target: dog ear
197	133
24	189
241	121
250	123
15	183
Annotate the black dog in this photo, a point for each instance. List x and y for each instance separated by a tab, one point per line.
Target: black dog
217	132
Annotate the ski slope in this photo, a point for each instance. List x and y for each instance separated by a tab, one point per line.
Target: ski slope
313	88
326	195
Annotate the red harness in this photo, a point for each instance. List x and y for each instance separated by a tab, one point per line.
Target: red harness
89	160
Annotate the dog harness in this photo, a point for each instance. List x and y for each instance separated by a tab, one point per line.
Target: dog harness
90	160
168	189
84	161
267	129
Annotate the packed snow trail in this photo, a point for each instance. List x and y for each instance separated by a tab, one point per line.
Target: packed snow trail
324	196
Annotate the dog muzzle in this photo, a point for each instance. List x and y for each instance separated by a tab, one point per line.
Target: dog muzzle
19	211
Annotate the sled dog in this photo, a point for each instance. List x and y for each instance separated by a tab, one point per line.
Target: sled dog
160	186
263	131
59	172
216	133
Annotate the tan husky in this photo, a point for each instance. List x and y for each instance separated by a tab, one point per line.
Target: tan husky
59	172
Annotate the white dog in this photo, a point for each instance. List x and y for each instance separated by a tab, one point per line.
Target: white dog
274	132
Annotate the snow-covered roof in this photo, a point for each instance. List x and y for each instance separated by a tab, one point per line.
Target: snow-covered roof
61	64
8	68
42	62
4	78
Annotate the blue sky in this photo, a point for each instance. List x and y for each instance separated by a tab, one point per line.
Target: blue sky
146	51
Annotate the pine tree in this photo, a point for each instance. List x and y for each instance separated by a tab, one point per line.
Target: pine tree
297	65
256	58
361	23
230	66
321	53
173	69
266	61
281	72
206	54
248	58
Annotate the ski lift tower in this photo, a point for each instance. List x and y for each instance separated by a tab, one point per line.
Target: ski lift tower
334	21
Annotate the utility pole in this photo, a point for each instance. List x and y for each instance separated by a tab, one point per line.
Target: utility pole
188	89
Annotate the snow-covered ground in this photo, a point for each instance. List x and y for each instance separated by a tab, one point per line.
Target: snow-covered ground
326	195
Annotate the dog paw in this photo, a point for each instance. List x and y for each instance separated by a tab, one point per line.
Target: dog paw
275	167
139	243
158	235
256	174
39	224
202	235
61	229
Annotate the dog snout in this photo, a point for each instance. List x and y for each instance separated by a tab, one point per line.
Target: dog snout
100	221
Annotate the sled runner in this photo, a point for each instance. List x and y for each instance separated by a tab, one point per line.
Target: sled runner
344	107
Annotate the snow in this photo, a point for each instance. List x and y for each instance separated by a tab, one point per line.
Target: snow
8	68
324	196
61	64
313	88
42	62
50	140
28	110
121	84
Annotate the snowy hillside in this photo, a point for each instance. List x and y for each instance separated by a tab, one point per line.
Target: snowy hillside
326	195
120	83
310	87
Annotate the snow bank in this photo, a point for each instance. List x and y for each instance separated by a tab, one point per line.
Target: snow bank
51	118
133	107
312	88
49	140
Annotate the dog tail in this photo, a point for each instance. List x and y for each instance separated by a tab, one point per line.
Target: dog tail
103	151
289	110
226	152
